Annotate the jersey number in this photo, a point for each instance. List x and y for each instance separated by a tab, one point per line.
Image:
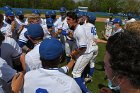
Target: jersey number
93	30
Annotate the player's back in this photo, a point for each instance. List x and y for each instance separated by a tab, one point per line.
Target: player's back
50	81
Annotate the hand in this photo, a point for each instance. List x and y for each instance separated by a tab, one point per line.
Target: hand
74	54
13	25
70	34
17	82
105	90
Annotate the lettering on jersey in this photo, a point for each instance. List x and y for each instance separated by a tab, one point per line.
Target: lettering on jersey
93	30
40	90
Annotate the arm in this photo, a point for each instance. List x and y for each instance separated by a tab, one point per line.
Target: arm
22	59
100	41
17	82
77	52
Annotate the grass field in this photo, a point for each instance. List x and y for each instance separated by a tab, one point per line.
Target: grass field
98	77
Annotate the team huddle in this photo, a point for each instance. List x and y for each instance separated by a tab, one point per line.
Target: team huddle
34	47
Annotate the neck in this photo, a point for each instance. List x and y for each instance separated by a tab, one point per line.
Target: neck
126	87
75	26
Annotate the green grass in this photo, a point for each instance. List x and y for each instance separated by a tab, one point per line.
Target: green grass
98	77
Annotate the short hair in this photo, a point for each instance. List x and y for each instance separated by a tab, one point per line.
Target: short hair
72	15
124	49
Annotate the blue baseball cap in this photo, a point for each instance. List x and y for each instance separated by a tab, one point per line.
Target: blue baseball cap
9	13
91	16
48	12
36	12
51	48
35	31
62	9
6	8
117	20
49	22
19	12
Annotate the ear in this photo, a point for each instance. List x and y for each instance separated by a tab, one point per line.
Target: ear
120	79
30	39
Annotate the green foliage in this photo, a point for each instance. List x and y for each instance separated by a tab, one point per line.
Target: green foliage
113	6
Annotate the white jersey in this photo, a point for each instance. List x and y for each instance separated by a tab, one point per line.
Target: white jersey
46	32
18	23
22	38
6	29
61	24
49	81
1	90
12	42
80	36
117	31
6	72
108	28
91	34
32	59
33	62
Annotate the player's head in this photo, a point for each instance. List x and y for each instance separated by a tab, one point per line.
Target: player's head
33	19
49	22
129	16
117	22
63	12
72	20
37	12
10	16
20	14
122	59
51	51
91	18
48	14
34	33
53	15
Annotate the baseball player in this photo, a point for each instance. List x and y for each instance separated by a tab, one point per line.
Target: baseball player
20	21
84	51
6	75
117	26
32	58
108	28
8	24
49	72
92	36
23	41
37	12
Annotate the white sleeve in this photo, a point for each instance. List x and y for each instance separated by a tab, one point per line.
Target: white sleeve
12	42
75	87
82	40
1	90
64	69
28	61
6	72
